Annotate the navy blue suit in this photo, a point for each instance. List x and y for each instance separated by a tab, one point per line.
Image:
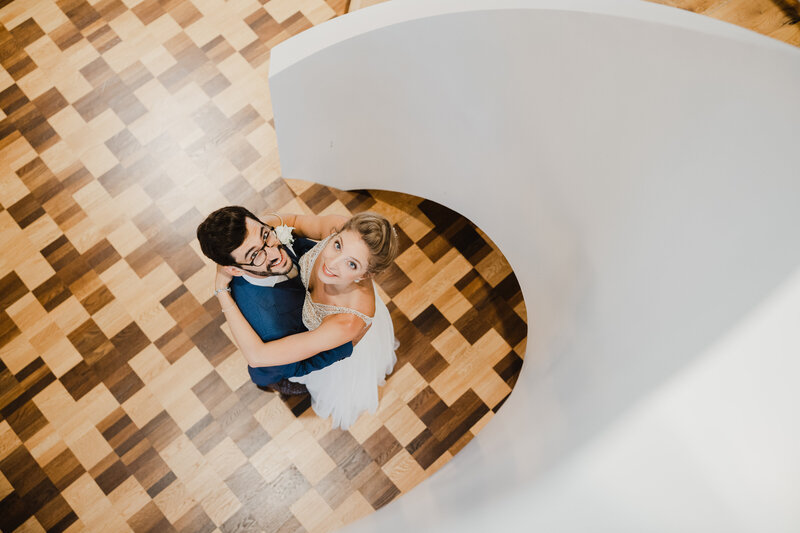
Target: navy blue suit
275	312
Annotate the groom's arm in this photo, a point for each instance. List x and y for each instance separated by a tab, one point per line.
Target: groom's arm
255	304
323	359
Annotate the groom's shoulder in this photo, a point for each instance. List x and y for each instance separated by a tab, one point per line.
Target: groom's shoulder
239	281
241	287
302	245
249	296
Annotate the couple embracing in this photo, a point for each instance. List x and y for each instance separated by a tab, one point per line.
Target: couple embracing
306	315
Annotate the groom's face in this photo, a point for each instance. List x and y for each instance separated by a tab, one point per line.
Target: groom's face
261	253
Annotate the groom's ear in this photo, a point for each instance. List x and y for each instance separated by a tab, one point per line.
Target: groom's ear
233	270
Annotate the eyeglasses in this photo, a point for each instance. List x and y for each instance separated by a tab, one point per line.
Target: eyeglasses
259	257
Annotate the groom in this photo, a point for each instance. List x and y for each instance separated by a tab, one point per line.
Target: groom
266	287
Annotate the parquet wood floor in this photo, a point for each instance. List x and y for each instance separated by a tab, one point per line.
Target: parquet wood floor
123	403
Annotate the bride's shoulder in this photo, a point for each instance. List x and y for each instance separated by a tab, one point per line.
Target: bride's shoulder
364	299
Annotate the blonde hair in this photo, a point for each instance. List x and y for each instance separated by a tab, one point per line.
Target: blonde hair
379	236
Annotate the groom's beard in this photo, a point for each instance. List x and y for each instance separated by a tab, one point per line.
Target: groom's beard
266	270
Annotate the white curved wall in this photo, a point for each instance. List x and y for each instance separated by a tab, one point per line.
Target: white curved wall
637	167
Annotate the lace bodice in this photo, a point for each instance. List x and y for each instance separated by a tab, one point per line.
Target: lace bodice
314	313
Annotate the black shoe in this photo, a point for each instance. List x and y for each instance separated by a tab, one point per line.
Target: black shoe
286	388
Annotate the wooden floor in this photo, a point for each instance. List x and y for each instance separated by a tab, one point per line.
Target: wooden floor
123	403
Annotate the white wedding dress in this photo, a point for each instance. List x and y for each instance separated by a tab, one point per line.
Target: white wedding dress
347	388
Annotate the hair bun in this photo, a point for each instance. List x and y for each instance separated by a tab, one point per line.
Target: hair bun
379	235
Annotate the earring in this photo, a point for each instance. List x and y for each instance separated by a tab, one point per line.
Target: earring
358	280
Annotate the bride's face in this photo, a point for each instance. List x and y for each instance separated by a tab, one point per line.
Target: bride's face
344	259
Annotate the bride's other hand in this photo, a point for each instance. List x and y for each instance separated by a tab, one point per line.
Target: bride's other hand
315	227
223	278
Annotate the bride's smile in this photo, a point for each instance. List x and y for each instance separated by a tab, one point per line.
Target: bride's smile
327	272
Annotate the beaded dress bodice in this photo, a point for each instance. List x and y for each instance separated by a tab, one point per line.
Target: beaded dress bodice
314	313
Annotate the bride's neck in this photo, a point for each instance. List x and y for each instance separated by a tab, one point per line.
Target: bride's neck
336	290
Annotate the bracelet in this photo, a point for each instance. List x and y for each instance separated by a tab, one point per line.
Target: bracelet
217	291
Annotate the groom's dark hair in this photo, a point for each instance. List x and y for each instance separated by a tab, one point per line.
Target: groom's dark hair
222	232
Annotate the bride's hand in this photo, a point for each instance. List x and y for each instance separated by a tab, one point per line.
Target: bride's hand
223	278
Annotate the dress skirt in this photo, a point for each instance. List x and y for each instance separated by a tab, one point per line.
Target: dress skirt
348	388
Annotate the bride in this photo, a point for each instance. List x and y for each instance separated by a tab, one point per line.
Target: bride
341	305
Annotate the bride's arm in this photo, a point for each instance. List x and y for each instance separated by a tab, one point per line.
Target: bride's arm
311	226
334	331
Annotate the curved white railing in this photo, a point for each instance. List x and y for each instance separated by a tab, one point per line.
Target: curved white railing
637	165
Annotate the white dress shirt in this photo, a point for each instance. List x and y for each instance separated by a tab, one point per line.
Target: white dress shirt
271	281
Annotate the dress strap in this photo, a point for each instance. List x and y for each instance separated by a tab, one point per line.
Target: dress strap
308	260
336	310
